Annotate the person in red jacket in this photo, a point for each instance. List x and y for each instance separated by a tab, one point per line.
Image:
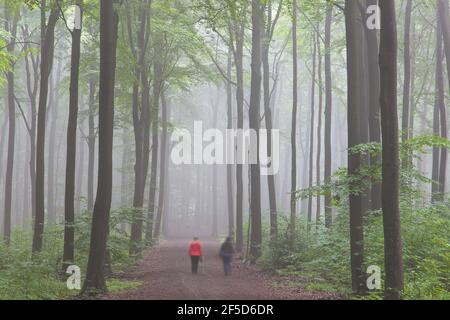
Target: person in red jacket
195	251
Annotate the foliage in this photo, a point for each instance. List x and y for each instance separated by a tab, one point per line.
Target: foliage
42	276
322	255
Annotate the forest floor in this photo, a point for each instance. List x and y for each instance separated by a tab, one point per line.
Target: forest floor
165	275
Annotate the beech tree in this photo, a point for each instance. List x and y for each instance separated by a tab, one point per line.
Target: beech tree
391	166
109	20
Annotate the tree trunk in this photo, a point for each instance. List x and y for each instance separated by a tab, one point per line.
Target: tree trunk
109	20
53	150
269	125
319	124
391	165
445	25
311	137
354	54
162	166
239	61
69	197
407	71
374	104
91	144
328	113
293	200
141	125
46	67
157	88
11	27
254	118
229	166
439	101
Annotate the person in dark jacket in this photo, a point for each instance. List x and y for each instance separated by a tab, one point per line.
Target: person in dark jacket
226	252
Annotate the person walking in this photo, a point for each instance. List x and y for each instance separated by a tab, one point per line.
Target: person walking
195	252
226	252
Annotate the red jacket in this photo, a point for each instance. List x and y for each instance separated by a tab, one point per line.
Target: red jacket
195	249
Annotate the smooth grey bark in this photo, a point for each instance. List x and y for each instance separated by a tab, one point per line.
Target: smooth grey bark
92	135
254	119
311	136
445	25
95	279
374	105
328	113
71	152
47	52
354	55
293	200
407	71
10	26
391	163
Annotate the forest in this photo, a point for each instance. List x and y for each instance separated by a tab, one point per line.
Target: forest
312	134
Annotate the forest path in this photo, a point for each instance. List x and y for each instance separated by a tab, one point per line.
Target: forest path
165	273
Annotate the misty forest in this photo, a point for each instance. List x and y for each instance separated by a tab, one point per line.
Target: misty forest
352	96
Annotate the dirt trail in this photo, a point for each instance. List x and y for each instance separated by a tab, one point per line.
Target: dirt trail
165	273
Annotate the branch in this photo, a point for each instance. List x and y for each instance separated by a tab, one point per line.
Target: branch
23	114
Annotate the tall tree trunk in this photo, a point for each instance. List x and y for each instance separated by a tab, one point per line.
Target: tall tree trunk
319	124
391	166
269	122
354	54
109	20
311	137
439	100
364	113
32	89
293	200
69	197
163	168
157	88
229	166
11	27
374	104
328	113
214	169
91	144
47	51
53	150
445	25
239	61
407	71
254	118
141	124
80	173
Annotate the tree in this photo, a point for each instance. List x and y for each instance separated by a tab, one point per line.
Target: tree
354	55
157	88
374	104
407	71
69	210
390	153
254	118
328	112
293	201
11	22
32	84
439	101
270	24
311	125
445	25
141	116
47	51
109	20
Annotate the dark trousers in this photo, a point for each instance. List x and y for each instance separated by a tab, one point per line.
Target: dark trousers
194	263
227	265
